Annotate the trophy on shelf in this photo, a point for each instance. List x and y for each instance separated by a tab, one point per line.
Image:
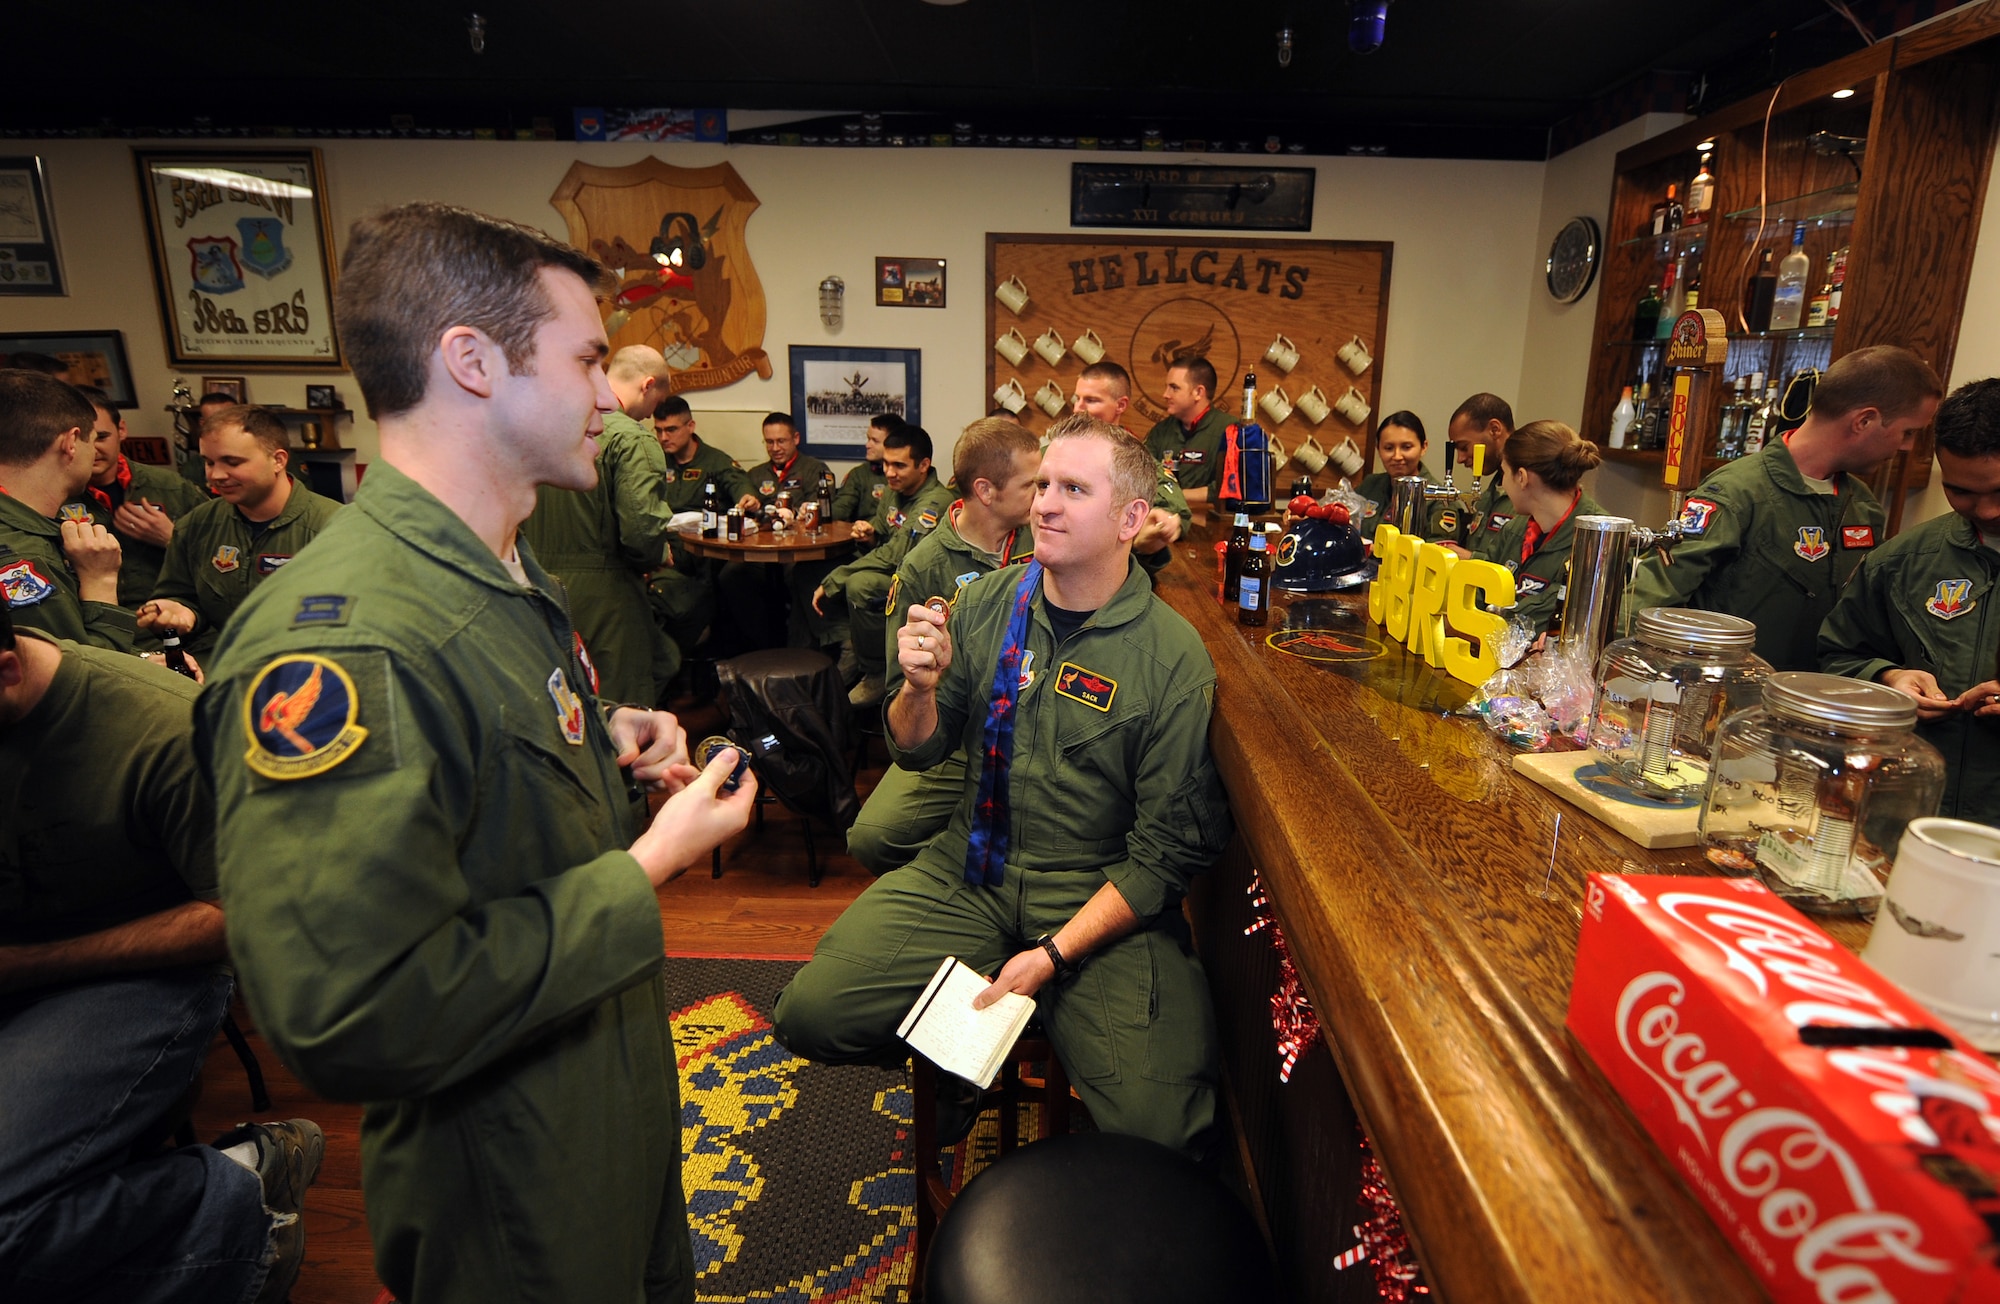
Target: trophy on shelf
187	421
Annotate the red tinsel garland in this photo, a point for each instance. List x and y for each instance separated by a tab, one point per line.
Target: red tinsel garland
1292	1014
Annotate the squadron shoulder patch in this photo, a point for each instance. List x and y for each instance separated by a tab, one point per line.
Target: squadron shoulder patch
1696	513
569	708
927	520
21	585
302	717
74	512
1080	685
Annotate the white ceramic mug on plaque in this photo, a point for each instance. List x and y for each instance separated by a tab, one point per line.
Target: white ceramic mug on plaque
1011	396
1937	934
1354	356
1050	347
1050	399
1347	458
1309	456
1353	406
1283	354
1088	347
1276	404
1012	293
1012	346
1314	405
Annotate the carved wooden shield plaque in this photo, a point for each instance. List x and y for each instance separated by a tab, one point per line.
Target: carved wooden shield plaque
674	239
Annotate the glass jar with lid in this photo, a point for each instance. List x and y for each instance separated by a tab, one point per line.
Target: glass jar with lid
1663	692
1811	789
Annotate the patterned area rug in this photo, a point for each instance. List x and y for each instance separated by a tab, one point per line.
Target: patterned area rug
798	1176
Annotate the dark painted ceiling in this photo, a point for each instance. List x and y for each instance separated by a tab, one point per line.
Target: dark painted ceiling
1492	75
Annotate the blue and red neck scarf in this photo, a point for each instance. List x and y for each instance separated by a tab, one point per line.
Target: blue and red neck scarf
986	849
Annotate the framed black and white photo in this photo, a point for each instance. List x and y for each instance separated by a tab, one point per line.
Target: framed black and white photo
836	392
322	398
242	257
88	357
909	282
30	264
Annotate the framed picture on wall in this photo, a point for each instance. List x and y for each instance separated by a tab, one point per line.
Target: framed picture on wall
236	387
242	257
836	392
29	260
909	282
89	358
322	397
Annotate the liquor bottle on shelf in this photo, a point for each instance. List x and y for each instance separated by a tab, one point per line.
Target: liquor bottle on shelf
1757	298
1701	194
1816	307
1760	420
1646	317
1788	301
1669	296
1649	420
1676	214
1622	417
1735	416
1836	277
1659	226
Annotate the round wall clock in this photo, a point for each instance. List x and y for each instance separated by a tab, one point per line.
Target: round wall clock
1573	256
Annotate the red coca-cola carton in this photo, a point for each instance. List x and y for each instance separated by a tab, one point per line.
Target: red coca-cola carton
1842	1173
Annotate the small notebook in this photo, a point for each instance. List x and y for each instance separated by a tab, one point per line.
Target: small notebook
944	1028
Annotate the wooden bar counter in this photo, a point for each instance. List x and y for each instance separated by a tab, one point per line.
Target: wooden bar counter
1433	913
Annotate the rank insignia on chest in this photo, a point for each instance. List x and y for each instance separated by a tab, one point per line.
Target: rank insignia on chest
76	512
569	708
1080	685
302	718
1857	536
1812	543
1696	513
227	558
1952	599
23	585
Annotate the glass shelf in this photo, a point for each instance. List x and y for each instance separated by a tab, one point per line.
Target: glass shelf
1736	337
1830	207
1673	242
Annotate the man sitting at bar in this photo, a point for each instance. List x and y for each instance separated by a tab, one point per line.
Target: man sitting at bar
258	520
1900	620
1483	421
1095	800
994	465
1773	537
136	502
1191	437
59	576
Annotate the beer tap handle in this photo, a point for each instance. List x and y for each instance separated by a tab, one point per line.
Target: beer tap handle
1450	455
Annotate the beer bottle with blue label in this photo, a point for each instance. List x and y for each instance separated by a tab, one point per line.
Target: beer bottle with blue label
1253	587
711	520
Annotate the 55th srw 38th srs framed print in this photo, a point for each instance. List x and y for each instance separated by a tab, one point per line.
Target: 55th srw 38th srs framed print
242	257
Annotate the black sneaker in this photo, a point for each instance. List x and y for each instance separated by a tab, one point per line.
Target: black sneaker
288	1156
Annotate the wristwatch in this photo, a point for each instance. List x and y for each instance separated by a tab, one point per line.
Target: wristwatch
1047	942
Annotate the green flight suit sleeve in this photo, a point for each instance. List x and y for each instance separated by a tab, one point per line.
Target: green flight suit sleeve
108	625
176	806
638	469
847	500
1181	822
1858	639
375	971
1167	496
954	693
1670	579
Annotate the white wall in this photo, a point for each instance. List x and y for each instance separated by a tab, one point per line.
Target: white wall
1458	319
1978	353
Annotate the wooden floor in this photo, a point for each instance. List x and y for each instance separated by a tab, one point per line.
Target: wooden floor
760	906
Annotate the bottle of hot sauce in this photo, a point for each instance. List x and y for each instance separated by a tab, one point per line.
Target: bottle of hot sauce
1232	559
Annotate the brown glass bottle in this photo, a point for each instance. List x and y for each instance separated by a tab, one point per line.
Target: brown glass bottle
176	656
1232	557
1253	586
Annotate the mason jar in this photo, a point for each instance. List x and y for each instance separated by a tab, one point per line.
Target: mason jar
1811	789
1663	692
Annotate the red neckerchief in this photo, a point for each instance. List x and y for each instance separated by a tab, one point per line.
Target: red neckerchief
1532	543
1007	557
123	475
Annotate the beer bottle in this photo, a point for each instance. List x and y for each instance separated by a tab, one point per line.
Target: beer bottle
825	497
1253	603
711	523
1232	558
176	655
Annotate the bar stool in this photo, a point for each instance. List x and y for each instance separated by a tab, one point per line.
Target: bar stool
1013	1088
1096	1218
793	696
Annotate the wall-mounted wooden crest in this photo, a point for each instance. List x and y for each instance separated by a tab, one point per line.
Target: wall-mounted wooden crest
674	239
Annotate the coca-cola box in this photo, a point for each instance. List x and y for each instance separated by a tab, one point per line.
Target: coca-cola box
1841	1173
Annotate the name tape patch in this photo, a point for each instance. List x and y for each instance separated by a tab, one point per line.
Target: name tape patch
1080	685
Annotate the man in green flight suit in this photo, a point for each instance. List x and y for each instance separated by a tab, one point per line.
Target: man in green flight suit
683	594
1773	537
1483	421
916	501
1922	613
602	544
1191	439
259	519
58	573
755	598
994	465
136	502
432	806
862	488
1065	863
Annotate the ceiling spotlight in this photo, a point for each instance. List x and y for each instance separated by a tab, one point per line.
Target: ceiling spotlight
1367	23
1706	145
475	32
1846	93
1284	47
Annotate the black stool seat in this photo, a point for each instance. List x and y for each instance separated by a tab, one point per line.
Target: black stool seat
1095	1218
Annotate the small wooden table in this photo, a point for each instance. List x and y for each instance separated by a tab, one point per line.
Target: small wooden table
769	545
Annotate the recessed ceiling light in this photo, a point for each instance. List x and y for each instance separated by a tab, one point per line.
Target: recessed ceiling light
1706	144
1844	94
